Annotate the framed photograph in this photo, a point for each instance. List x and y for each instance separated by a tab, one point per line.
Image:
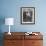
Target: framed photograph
27	15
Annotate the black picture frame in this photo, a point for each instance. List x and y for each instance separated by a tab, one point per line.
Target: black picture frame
27	15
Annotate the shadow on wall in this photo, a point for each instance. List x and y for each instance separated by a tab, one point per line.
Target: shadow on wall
2	21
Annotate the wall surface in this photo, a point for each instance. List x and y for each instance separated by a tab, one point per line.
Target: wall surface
11	8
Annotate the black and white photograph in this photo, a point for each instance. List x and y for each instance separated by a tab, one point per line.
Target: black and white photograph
27	15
